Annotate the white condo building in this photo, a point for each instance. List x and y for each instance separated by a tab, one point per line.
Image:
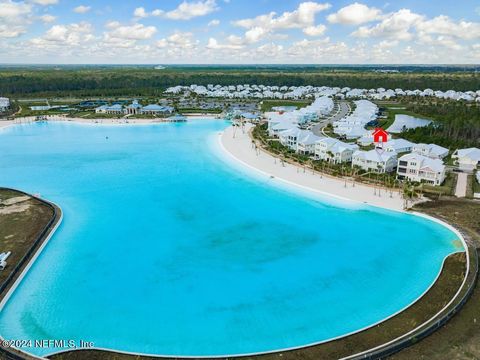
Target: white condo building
4	104
306	143
430	150
334	150
467	159
419	168
376	161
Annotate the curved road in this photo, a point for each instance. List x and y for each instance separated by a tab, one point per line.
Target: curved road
343	110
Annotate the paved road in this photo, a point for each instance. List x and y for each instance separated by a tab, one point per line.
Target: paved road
343	110
461	190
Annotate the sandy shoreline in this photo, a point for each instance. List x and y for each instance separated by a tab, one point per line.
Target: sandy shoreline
100	121
240	148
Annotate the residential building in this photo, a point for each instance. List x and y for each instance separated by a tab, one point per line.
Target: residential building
467	159
290	137
334	150
430	150
374	160
306	143
155	109
419	168
398	145
4	104
115	109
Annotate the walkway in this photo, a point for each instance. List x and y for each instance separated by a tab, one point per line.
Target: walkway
461	190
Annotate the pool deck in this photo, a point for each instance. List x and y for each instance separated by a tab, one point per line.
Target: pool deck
237	144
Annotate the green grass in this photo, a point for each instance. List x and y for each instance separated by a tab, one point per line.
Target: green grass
267	105
446	189
476	186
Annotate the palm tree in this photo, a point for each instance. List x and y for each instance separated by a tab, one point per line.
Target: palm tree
409	193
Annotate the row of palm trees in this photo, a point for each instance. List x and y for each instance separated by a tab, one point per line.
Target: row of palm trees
380	181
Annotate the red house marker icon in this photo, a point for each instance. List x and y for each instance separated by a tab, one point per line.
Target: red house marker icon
380	136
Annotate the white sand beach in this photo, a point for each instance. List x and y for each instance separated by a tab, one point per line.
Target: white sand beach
240	148
105	121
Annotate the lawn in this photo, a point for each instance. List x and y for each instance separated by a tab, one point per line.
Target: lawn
267	105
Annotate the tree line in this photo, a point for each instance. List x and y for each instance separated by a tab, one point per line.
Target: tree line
456	125
149	82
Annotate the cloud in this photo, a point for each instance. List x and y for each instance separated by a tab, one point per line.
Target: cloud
443	25
302	17
45	2
72	36
185	11
129	32
140	13
395	26
355	14
179	40
188	10
14	17
214	22
82	9
47	18
11	9
214	45
315	30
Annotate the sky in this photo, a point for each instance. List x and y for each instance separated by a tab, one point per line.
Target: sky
239	32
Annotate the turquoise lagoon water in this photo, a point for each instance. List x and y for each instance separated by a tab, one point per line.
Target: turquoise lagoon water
166	248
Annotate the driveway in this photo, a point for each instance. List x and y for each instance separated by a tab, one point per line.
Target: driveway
461	190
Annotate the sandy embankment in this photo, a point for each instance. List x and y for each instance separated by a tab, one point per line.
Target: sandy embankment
240	148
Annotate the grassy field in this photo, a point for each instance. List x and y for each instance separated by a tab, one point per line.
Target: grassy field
267	105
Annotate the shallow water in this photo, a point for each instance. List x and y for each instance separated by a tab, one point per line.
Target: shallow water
166	248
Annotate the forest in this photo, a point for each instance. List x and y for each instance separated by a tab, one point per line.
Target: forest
91	81
457	125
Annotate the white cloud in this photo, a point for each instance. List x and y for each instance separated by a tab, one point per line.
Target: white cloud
129	32
140	13
355	14
302	17
11	9
47	18
214	45
214	22
188	10
185	11
315	30
14	17
69	37
443	25
82	9
395	26
255	34
45	2
178	40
